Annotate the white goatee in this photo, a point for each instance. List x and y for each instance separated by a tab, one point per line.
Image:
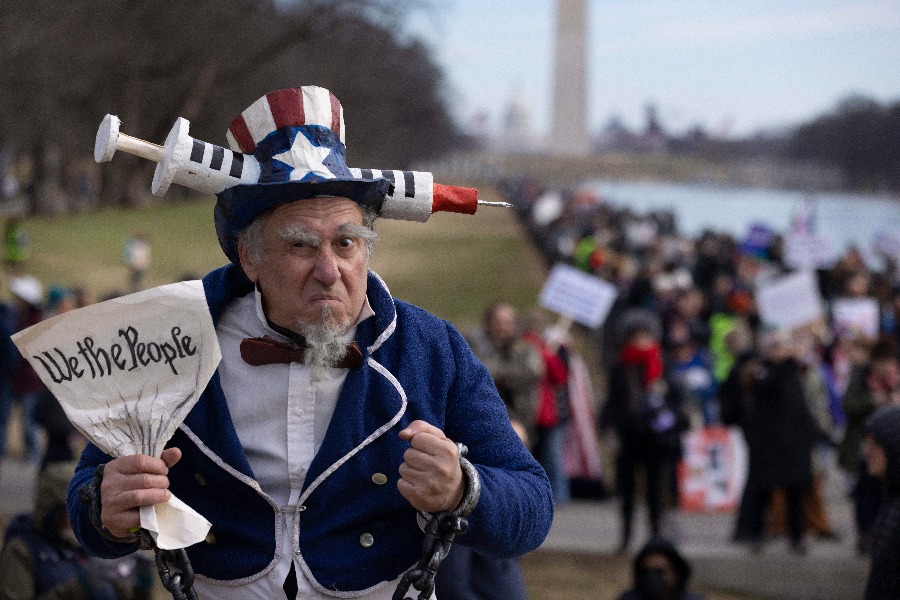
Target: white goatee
326	343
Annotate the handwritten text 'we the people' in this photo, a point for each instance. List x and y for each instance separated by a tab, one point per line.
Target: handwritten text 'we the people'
127	356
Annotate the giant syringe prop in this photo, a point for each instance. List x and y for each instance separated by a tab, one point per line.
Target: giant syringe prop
210	169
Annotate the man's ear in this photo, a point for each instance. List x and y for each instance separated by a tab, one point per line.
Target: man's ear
247	263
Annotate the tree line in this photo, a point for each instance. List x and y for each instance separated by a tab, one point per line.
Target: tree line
861	137
64	65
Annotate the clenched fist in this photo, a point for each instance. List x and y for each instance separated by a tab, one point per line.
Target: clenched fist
430	476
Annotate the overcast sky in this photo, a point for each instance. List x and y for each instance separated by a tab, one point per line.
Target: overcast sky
730	65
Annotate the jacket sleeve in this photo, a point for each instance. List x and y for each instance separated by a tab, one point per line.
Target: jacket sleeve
514	513
79	514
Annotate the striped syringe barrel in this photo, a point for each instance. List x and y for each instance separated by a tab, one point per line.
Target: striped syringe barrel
414	196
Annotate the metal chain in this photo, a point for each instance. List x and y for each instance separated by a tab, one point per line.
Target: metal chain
179	583
440	530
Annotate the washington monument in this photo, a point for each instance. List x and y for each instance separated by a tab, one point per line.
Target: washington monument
569	134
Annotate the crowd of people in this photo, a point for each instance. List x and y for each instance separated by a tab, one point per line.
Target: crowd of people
685	347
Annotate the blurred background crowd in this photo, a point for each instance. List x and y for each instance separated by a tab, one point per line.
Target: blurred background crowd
685	327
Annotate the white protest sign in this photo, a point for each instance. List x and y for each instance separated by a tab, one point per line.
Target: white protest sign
856	316
789	301
803	250
127	372
577	295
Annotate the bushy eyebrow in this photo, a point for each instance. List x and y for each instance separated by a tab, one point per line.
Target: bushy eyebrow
294	234
359	232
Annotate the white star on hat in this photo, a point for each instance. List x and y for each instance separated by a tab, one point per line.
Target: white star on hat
305	157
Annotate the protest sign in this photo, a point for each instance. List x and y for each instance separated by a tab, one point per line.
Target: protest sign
804	250
712	473
584	298
855	317
127	371
789	301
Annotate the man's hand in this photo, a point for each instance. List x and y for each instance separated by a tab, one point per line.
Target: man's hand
430	476
130	482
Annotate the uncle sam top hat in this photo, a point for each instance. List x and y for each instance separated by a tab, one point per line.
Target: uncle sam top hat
297	136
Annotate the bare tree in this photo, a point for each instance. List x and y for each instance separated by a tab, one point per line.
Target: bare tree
63	65
861	137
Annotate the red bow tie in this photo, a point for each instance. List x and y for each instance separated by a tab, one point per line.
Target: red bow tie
266	351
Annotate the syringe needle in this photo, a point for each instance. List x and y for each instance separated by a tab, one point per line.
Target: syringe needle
500	204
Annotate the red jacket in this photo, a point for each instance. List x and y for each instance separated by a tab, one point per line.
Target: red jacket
556	376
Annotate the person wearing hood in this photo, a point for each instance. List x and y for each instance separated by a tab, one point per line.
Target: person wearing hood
660	573
881	450
41	559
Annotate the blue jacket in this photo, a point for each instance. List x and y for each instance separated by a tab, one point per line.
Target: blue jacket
416	366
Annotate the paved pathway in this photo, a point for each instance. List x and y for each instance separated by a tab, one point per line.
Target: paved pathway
829	571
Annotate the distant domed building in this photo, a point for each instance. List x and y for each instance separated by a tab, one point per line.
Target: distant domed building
516	131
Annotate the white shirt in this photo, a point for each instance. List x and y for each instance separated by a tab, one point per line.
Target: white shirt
280	413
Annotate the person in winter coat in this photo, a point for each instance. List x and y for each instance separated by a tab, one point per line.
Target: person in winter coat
552	413
334	417
874	384
881	449
9	358
646	414
780	434
660	573
514	364
25	385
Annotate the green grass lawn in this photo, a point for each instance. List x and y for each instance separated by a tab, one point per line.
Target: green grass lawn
453	266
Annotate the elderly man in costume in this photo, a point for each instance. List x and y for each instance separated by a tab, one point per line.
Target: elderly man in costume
336	411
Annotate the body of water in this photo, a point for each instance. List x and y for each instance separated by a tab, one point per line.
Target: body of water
844	219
